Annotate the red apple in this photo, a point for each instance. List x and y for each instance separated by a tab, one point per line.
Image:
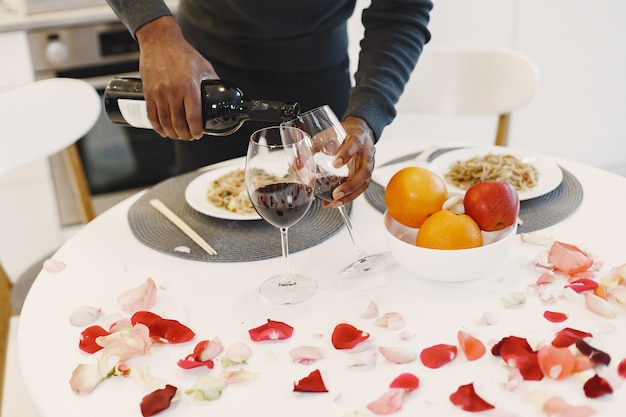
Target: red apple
493	205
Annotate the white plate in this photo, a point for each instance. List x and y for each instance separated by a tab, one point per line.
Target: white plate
195	194
550	174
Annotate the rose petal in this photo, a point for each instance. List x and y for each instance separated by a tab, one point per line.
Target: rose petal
305	354
466	398
346	336
157	401
311	383
163	330
87	342
597	386
517	353
438	355
240	375
621	368
371	312
555	363
237	353
84	315
206	388
141	298
470	346
272	330
569	258
557	407
53	265
388	403
364	358
392	321
568	336
583	284
398	354
405	381
554	316
595	355
599	306
85	378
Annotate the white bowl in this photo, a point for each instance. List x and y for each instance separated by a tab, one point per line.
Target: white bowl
447	265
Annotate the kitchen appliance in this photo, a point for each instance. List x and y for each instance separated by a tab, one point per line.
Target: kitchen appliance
116	159
38	6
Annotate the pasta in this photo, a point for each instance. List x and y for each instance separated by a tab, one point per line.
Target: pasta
229	193
501	167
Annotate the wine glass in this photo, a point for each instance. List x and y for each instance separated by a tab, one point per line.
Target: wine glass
327	135
280	179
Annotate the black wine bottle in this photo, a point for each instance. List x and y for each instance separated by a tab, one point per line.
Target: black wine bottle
224	107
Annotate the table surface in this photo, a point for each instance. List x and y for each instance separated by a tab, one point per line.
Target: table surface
220	300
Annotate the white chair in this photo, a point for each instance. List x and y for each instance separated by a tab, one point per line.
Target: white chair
36	121
471	81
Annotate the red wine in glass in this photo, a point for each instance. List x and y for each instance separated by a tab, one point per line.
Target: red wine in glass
324	186
282	204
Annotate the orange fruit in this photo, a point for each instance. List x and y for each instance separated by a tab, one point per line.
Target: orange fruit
413	194
447	229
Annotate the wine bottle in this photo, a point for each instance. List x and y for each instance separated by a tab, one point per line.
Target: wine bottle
224	107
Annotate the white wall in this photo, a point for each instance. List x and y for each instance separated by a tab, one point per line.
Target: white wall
579	111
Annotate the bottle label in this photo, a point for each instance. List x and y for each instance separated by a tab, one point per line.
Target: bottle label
134	112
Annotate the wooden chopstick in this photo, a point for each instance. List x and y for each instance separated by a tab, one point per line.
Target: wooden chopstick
184	227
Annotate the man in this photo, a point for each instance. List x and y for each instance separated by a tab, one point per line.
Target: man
283	50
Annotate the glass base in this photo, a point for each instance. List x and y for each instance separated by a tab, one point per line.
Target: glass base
300	288
364	264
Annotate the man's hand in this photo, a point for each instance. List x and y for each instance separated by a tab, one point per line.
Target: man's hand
171	72
357	149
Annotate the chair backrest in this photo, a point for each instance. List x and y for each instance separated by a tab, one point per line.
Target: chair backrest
38	120
471	81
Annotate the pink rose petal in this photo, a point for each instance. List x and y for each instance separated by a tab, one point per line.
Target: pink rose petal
391	321
557	407
305	354
141	298
371	312
53	265
599	306
388	403
398	354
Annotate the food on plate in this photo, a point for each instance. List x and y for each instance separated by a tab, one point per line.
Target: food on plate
500	167
413	194
447	229
228	192
494	205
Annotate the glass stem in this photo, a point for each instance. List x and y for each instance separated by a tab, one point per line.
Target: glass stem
284	240
346	220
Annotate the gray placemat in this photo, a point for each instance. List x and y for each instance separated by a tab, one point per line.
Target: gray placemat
234	241
536	214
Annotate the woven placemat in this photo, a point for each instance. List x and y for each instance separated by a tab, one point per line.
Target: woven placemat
234	241
536	214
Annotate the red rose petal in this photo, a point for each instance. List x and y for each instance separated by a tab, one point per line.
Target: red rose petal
595	355
466	398
157	401
405	381
597	386
568	336
621	368
311	383
438	355
163	330
516	352
346	336
87	342
554	316
272	330
582	284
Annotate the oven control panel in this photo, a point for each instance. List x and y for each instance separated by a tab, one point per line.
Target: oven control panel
75	51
